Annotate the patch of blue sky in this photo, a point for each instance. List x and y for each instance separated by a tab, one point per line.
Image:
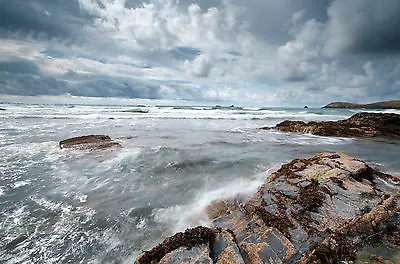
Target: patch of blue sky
53	53
235	53
185	53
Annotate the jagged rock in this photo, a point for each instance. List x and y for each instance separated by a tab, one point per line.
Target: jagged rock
321	209
199	254
359	125
192	239
90	142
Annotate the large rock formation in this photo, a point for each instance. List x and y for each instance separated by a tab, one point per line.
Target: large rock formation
359	125
90	142
321	209
395	104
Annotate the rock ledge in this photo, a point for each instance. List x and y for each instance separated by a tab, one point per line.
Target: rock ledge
321	209
358	125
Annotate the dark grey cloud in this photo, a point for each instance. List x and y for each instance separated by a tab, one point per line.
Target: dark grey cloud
314	49
18	65
44	18
269	19
28	84
364	26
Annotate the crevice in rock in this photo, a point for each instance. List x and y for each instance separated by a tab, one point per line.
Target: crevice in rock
366	173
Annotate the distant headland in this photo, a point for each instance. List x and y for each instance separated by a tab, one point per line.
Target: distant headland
395	104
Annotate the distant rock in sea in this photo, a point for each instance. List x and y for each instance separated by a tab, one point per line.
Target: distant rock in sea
90	142
3	109
321	209
395	104
359	125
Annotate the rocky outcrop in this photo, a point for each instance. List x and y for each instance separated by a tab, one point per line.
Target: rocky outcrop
395	104
3	109
321	209
359	125
91	142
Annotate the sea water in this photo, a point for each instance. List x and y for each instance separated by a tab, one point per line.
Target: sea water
76	206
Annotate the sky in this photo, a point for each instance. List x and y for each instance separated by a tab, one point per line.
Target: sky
261	52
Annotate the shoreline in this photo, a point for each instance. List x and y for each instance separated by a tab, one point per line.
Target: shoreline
294	208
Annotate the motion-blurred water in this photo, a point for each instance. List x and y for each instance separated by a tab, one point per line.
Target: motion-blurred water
70	206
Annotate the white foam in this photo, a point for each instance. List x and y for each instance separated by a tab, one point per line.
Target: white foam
2	190
193	214
21	183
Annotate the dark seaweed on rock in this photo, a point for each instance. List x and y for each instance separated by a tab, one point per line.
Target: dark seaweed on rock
321	209
190	238
358	125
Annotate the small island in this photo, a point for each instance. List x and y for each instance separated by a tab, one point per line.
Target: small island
394	104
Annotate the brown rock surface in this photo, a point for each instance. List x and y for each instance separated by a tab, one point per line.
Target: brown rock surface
321	209
395	104
359	125
90	142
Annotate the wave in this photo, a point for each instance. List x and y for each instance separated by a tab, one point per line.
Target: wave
192	214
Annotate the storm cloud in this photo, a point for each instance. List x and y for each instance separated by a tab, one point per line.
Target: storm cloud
255	52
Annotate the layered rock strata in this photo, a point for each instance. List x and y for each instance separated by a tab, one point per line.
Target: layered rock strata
321	209
359	125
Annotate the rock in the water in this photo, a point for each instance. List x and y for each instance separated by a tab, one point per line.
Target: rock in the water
3	109
359	125
90	142
321	209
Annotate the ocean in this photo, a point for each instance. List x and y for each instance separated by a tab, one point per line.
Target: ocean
73	206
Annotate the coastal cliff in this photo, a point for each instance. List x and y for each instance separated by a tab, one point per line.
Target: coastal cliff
321	209
395	104
358	125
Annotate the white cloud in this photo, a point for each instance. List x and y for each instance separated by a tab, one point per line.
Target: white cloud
163	25
200	66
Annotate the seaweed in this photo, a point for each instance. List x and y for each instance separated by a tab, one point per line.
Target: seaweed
310	197
337	249
190	238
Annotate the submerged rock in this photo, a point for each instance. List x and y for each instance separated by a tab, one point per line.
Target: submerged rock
322	209
90	142
359	125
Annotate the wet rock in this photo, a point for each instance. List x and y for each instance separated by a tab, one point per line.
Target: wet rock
3	109
321	209
91	142
199	254
359	125
189	246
